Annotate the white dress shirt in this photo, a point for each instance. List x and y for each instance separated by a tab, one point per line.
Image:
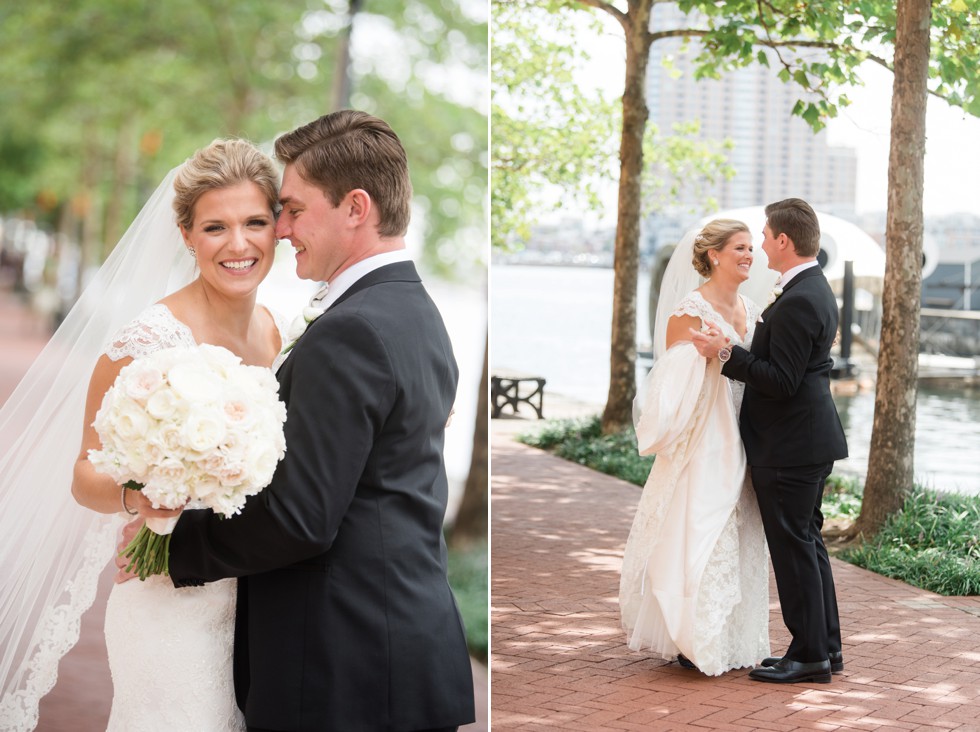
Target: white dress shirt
789	274
331	291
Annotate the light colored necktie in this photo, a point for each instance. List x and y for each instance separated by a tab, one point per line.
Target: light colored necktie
317	299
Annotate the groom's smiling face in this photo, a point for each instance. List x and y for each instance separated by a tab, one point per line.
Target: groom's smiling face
318	230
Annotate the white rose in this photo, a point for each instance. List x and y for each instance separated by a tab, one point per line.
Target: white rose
172	438
205	488
172	470
203	431
165	493
154	451
211	464
296	328
141	380
162	404
233	474
262	465
130	421
239	412
134	462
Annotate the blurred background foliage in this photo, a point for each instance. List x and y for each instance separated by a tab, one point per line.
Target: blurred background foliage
101	97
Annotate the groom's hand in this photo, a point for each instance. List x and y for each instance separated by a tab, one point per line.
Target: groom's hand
709	341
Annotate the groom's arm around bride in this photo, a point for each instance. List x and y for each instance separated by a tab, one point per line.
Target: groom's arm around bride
345	618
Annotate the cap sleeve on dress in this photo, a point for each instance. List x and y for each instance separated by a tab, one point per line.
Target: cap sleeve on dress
154	329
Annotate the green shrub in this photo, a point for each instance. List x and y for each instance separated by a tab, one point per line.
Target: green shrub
931	543
842	498
582	441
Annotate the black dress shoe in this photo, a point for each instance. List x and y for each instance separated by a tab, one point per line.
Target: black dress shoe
836	662
685	662
792	672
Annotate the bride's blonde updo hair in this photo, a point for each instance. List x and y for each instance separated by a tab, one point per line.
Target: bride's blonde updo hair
222	164
713	237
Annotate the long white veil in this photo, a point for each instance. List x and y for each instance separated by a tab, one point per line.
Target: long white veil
52	550
680	278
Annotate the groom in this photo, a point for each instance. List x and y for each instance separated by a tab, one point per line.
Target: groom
792	436
345	617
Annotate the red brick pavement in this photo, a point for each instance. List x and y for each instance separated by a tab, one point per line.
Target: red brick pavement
80	700
559	659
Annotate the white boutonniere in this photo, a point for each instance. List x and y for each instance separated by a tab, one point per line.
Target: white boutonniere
774	295
299	325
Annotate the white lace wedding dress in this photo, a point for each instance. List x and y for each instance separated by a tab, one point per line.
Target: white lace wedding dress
695	576
170	650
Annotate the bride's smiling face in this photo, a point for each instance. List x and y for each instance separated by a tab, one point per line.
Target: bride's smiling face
735	257
233	237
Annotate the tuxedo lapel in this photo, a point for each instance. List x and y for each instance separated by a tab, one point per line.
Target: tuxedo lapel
809	272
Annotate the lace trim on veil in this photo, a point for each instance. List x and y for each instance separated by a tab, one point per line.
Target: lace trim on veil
54	551
59	628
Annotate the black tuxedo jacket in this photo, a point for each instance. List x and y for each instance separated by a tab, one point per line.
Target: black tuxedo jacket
345	619
788	417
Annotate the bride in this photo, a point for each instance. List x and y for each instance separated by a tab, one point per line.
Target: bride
695	578
170	650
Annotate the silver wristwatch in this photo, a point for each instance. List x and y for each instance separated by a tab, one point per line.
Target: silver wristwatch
724	354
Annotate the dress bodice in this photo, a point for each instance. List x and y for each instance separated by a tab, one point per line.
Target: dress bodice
696	305
156	328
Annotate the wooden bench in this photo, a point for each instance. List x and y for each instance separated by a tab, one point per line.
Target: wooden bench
505	390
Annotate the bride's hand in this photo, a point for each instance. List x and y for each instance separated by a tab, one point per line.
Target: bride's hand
135	500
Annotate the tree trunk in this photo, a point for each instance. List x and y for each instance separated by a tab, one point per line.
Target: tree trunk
618	414
471	520
340	95
123	178
890	462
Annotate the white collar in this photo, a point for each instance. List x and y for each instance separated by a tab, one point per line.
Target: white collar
331	292
789	274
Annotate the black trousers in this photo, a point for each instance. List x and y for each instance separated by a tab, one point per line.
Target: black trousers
789	501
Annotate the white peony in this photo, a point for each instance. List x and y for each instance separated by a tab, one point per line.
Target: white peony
195	382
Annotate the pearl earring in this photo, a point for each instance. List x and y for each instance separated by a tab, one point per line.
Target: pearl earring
714	262
190	250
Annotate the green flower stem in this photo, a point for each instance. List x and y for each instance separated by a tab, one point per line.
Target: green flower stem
149	554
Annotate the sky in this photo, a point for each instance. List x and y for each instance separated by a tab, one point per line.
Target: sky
952	172
952	165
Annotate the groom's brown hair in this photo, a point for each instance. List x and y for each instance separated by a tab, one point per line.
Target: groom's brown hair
798	221
349	149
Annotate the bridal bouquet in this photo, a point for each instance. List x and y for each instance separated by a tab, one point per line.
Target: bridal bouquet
188	425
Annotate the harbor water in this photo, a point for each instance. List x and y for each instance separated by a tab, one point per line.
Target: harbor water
556	322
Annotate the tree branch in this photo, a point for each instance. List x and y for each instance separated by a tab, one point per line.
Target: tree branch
623	18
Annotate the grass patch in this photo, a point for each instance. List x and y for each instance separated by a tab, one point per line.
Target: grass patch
468	576
932	543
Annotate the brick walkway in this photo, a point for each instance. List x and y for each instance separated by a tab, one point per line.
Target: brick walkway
559	658
80	700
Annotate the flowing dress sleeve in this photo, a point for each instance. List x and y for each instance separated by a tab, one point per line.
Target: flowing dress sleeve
664	412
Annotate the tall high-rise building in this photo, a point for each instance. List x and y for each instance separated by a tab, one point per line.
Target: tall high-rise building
776	154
